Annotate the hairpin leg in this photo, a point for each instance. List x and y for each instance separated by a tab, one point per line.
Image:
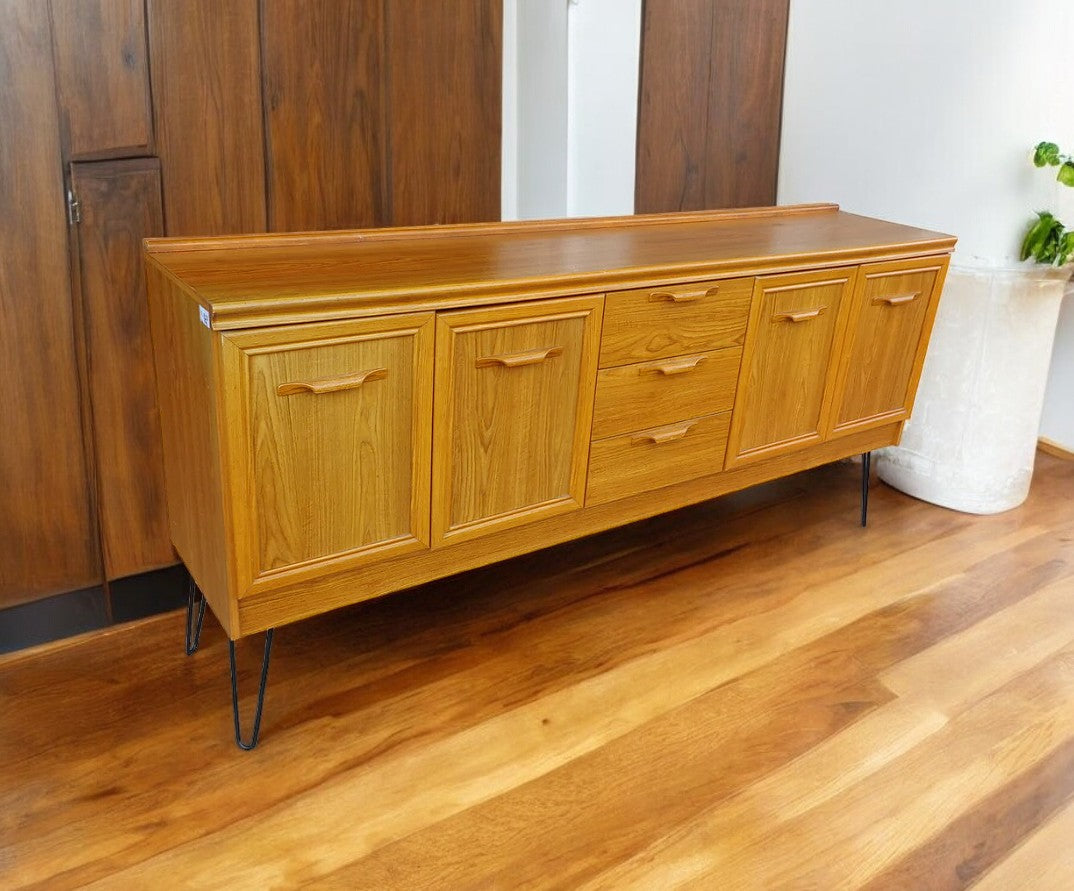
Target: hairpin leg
193	626
260	693
866	461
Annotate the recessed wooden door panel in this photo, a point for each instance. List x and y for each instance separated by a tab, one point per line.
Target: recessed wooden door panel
514	406
887	333
48	539
120	203
205	66
788	366
102	79
444	103
338	440
325	128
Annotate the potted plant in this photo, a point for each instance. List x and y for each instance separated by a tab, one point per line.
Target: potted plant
972	440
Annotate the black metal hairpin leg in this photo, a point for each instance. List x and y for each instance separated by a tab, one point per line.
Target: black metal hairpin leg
260	693
866	461
193	626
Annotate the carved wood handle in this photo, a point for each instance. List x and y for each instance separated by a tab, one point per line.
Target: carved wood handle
679	366
681	296
803	316
664	435
898	301
332	384
517	360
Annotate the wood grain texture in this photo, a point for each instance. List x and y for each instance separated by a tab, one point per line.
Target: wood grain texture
512	439
120	205
205	66
48	539
337	478
651	459
651	323
648	394
443	93
789	363
102	78
888	328
710	103
272	280
325	118
699	698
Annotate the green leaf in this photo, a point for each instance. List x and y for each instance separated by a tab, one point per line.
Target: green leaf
1066	173
1041	242
1046	154
1066	248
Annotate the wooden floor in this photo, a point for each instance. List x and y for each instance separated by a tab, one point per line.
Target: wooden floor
751	693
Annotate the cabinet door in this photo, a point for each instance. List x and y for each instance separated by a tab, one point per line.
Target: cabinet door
514	406
787	379
887	333
337	441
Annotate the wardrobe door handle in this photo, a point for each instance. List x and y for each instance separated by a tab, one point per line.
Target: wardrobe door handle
332	384
517	360
897	301
660	436
680	366
681	296
803	316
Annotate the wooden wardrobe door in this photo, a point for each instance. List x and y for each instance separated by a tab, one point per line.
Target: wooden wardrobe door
444	110
48	540
325	127
205	66
102	77
120	205
513	415
787	380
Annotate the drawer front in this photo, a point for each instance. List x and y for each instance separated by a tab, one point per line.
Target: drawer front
648	394
655	323
660	456
887	333
337	441
789	363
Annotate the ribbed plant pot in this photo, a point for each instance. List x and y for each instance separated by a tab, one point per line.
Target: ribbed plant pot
972	440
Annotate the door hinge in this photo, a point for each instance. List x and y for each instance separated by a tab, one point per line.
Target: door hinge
74	209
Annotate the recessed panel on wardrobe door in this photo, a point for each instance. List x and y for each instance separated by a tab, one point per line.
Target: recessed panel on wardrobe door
102	79
206	73
47	533
514	410
887	334
338	440
444	106
120	203
325	128
787	379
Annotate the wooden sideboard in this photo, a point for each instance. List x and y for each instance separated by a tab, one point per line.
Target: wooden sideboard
347	414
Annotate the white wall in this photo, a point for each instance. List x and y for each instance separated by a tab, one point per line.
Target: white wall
925	112
570	93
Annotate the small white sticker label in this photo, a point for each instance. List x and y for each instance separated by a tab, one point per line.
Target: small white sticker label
203	314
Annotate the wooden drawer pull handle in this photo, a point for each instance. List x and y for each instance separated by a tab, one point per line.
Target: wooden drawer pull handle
664	435
332	384
680	366
681	296
517	360
804	316
898	301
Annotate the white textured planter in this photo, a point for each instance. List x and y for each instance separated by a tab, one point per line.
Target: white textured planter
971	442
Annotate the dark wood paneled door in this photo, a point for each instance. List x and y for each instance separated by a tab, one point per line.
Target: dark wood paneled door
711	99
119	206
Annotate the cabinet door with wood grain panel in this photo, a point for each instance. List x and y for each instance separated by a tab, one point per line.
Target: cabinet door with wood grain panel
887	332
337	441
120	203
787	379
514	408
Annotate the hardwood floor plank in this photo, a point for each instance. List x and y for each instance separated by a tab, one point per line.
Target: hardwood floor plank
1044	863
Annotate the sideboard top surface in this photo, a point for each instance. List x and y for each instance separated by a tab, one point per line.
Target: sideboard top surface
272	279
